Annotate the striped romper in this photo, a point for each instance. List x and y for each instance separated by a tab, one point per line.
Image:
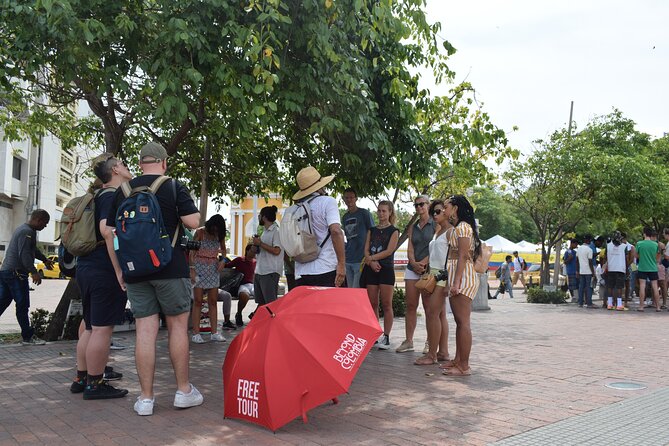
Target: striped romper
470	280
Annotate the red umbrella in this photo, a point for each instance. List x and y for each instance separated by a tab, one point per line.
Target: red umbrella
296	353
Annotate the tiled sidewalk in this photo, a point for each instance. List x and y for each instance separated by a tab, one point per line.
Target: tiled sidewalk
635	421
532	366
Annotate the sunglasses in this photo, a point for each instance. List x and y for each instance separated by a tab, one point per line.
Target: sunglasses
437	211
419	205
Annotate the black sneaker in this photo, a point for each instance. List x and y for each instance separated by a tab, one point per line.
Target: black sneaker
111	375
103	391
78	385
227	325
238	320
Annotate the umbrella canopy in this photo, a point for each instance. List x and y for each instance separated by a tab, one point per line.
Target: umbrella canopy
296	353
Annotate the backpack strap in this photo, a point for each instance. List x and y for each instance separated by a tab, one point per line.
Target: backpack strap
154	189
126	189
327	236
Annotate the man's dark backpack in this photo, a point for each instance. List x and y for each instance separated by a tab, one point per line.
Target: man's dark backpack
144	246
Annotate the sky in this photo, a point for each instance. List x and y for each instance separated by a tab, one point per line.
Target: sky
528	60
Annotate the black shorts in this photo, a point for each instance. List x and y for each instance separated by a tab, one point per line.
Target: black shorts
645	275
615	280
102	298
384	277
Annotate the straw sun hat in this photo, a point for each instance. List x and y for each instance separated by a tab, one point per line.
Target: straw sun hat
309	181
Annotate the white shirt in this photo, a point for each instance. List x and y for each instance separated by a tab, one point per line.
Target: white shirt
324	212
517	264
438	249
584	256
598	274
266	262
615	257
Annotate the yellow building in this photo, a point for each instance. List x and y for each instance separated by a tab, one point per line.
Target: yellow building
244	222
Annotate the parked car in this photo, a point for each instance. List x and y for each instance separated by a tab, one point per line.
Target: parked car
533	276
46	273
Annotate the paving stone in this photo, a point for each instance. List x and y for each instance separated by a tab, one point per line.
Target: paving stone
534	367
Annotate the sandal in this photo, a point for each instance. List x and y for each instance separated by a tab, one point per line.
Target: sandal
425	360
448	364
457	371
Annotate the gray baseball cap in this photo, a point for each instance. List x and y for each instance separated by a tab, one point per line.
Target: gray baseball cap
154	152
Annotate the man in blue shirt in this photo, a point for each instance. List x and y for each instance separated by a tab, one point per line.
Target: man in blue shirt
569	260
357	222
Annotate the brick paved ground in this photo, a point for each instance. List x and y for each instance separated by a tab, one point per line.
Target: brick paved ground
532	365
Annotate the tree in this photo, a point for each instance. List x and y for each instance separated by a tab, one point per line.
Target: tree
333	84
601	173
497	216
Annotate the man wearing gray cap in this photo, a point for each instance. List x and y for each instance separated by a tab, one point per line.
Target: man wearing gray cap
167	290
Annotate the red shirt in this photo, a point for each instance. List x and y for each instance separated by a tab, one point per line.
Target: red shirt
248	267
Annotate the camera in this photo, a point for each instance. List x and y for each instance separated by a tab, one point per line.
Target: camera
189	245
441	275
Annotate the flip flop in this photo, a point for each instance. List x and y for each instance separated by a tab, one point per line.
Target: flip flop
425	360
457	371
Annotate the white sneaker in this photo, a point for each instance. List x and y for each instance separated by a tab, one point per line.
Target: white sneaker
405	346
426	349
184	400
217	337
384	343
144	406
197	338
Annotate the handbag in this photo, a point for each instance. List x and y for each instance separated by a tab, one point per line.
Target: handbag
481	263
426	282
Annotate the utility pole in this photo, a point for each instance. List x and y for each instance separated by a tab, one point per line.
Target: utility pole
558	245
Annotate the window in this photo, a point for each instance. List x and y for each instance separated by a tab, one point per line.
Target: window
16	170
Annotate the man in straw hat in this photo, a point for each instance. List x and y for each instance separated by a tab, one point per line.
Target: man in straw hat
329	268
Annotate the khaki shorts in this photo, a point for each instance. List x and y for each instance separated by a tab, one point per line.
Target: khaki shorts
169	296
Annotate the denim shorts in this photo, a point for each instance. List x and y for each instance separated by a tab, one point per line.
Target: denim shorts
169	296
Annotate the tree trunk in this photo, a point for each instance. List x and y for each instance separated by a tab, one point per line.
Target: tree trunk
55	328
204	189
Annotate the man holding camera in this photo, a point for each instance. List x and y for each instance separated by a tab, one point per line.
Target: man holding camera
167	291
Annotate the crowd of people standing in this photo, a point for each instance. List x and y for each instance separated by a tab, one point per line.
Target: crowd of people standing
443	241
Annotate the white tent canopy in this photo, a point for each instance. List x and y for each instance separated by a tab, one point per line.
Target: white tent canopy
528	246
501	244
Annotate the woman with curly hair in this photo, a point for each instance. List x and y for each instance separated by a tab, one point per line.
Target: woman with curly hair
205	269
464	247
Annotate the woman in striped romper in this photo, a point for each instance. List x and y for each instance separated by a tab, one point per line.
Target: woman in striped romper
464	248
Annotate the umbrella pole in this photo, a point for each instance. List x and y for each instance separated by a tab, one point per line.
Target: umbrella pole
304	412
